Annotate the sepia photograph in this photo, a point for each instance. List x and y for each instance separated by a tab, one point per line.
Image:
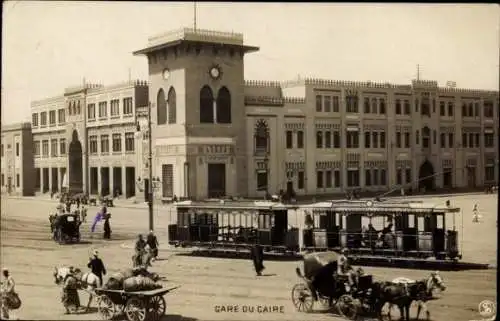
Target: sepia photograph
210	161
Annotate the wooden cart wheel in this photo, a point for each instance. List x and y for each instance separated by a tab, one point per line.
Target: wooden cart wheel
302	297
347	307
135	309
106	307
157	307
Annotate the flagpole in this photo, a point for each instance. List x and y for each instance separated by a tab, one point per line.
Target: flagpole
194	15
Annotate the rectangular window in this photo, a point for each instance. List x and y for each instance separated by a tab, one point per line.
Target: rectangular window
52	117
61	116
442	140
336	178
382	140
451	140
336	139
328	179
43	118
398	140
434	137
115	107
289	139
300	139
366	108
476	109
375	139
478	143
489	140
374	106
93	144
464	140
127	106
417	105
103	109
407	107
352	138
18	180
328	103
328	139
117	142
368	177
262	181
17	149
3	180
62	146
375	177
489	173
442	108
53	147
451	106
464	110
367	139
398	107
104	144
167	175
399	176
488	109
34	120
45	148
300	180
408	175
319	139
129	142
407	140
91	111
383	177
1	152
336	104
319	179
471	140
352	104
36	148
352	178
471	110
319	102
382	106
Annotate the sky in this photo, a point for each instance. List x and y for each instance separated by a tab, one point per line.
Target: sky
50	45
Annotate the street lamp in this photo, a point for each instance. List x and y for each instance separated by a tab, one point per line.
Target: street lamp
150	165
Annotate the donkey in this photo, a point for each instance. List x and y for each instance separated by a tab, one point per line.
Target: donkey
420	291
87	281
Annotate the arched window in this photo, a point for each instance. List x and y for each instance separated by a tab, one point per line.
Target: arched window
78	108
417	137
261	136
161	108
224	106
172	106
206	105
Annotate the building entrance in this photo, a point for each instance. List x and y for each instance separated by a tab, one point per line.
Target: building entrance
426	176
216	180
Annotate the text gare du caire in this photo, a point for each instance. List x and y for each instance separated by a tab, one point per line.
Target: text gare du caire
249	308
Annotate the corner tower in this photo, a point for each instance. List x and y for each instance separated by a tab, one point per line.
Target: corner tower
198	112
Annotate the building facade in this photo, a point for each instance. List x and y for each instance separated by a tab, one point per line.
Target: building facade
214	134
17	167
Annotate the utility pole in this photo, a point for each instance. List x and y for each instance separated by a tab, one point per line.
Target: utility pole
194	14
150	159
418	72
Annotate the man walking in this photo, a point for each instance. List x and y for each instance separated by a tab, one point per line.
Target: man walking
152	241
140	246
97	266
257	256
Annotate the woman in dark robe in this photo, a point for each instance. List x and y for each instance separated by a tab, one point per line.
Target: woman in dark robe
107	227
257	255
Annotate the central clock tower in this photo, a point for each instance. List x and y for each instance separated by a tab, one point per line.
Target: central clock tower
198	113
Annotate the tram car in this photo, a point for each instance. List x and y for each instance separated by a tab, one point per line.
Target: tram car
235	225
384	229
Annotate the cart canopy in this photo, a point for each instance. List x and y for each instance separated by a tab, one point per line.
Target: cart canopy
317	262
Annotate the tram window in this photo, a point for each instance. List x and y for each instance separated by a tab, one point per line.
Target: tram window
420	221
440	221
264	221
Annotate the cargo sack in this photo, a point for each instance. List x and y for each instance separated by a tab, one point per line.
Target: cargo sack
139	283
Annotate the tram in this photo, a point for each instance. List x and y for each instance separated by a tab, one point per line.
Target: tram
235	225
386	229
379	228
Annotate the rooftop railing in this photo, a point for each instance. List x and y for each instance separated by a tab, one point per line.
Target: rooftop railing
197	35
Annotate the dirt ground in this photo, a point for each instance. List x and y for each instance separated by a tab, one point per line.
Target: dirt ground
210	284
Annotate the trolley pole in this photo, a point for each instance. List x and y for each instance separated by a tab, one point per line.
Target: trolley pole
150	161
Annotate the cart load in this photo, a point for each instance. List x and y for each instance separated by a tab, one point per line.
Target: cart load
140	283
116	280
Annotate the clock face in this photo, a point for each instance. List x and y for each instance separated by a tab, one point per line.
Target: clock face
215	72
166	73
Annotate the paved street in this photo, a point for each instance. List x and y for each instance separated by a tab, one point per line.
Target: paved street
208	283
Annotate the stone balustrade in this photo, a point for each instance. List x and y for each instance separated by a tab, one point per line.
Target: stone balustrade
192	34
262	83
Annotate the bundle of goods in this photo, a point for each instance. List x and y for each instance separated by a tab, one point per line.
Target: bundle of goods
115	281
140	283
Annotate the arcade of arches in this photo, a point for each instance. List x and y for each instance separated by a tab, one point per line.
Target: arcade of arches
215	111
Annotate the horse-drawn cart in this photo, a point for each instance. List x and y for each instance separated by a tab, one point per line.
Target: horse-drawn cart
137	306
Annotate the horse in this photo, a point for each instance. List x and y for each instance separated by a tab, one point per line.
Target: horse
420	291
87	281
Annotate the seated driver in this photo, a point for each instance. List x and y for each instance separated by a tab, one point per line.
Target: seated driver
344	268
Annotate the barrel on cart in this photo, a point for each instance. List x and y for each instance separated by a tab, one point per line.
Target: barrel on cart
137	306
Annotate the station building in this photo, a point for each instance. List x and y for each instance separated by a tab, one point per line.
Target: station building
215	133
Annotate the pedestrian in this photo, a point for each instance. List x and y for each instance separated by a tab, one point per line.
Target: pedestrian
98	217
140	246
152	241
70	296
257	256
97	266
107	227
10	299
475	214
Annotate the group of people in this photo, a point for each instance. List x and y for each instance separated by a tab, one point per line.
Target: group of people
146	251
